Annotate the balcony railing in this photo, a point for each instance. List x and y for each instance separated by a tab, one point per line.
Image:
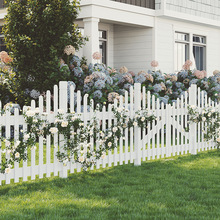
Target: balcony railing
142	3
2	5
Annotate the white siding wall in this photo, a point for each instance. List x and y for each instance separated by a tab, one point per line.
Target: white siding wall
202	8
164	45
132	47
165	29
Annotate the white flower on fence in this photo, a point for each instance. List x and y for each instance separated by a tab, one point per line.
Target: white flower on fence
7	170
30	113
53	130
64	124
17	155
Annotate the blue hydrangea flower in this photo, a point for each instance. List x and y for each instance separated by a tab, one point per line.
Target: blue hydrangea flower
157	88
160	78
179	85
109	80
75	59
193	81
127	86
168	83
78	71
139	79
86	88
99	84
183	74
97	94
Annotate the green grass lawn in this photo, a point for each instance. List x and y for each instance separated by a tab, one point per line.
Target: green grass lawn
185	187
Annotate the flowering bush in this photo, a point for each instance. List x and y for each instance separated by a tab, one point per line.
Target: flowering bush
76	146
211	117
104	84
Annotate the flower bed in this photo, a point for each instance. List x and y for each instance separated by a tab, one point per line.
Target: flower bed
104	84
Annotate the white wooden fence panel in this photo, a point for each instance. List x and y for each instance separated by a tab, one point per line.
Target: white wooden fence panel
162	138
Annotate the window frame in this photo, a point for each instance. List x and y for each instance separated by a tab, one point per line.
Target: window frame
183	42
191	44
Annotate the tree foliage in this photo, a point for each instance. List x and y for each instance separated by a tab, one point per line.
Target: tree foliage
36	32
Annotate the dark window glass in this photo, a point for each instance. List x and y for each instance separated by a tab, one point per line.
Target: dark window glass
199	56
199	39
103	45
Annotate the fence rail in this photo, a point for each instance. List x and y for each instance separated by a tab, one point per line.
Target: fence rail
165	137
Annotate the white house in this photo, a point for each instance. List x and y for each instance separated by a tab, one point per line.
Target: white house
135	32
132	33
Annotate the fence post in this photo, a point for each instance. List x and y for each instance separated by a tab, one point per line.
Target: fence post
137	130
63	105
192	127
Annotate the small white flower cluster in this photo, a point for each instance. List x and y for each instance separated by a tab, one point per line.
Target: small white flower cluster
211	117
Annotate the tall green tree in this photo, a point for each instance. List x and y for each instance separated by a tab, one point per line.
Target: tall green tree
36	33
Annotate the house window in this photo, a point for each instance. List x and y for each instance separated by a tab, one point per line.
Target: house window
199	52
191	47
181	49
103	45
2	42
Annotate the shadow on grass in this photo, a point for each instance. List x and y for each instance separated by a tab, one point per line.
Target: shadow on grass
186	187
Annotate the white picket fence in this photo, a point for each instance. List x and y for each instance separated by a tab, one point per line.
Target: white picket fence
165	137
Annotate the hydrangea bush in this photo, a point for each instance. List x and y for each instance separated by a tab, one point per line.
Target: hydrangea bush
104	84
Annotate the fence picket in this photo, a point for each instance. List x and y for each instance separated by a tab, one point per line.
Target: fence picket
131	129
126	131
41	144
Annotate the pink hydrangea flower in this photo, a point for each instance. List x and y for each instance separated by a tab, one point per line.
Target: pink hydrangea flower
154	63
96	56
187	65
200	74
5	57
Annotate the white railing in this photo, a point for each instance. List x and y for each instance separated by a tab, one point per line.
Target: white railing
165	137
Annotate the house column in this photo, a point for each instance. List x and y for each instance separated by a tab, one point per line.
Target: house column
91	30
